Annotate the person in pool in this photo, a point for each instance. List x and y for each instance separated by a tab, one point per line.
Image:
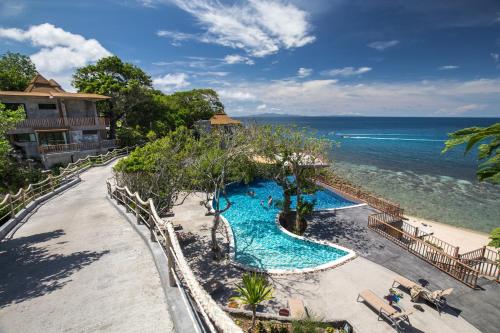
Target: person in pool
270	201
251	193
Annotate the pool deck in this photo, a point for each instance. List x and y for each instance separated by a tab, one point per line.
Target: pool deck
331	294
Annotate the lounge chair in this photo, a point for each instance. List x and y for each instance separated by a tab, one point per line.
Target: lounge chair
402	281
297	308
385	310
437	297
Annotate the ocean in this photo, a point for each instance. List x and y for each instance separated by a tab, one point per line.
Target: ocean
399	158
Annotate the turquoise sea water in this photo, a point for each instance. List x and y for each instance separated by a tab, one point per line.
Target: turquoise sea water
400	159
258	240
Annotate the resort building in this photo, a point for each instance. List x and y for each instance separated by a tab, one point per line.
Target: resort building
219	120
60	127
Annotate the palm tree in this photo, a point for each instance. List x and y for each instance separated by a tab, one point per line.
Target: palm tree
253	290
489	149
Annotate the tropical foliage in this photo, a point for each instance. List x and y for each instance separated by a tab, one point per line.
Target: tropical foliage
161	169
12	174
253	290
495	238
293	157
488	139
16	71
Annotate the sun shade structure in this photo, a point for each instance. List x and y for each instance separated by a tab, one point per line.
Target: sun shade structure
305	160
41	87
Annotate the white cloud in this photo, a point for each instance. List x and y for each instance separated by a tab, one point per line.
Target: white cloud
467	108
176	36
448	67
304	72
329	97
260	27
9	8
237	95
171	82
495	56
382	45
261	107
347	71
237	59
60	51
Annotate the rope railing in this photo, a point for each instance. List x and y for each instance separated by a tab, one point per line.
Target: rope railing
12	204
162	232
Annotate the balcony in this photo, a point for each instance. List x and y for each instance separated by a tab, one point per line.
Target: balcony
28	125
68	147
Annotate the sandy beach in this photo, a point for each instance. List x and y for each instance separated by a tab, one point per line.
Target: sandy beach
466	239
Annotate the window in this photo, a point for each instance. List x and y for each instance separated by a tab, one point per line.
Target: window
51	138
47	107
14	106
25	137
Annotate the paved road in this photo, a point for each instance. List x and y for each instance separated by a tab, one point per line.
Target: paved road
78	266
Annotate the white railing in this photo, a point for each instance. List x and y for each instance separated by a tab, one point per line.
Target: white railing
11	204
162	232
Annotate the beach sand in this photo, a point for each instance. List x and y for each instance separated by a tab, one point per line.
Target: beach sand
466	239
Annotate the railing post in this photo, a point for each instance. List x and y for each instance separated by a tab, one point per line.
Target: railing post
456	255
137	211
151	226
23	197
170	260
416	232
51	181
11	206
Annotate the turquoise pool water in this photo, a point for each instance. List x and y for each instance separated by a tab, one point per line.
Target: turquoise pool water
259	242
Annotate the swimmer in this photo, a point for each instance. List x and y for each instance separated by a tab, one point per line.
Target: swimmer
270	201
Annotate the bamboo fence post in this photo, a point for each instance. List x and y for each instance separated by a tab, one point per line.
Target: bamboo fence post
11	206
23	197
137	212
170	260
151	225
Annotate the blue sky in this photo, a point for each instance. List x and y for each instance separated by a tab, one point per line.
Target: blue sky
321	57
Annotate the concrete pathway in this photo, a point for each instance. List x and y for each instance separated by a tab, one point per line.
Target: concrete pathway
78	266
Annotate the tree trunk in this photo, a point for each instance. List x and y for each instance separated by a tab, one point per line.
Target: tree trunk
112	127
215	245
298	216
253	317
287	201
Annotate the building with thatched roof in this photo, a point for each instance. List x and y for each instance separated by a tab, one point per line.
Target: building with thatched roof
219	120
60	126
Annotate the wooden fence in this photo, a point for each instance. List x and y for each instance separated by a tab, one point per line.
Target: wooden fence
11	204
485	260
76	146
378	203
163	233
430	251
62	122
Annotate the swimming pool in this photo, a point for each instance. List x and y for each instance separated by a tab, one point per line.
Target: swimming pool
259	243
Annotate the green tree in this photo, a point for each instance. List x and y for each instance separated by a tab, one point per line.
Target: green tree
167	112
12	174
253	290
160	170
495	238
16	71
126	84
293	157
488	139
223	157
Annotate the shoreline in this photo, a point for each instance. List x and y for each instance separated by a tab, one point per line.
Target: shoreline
466	239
